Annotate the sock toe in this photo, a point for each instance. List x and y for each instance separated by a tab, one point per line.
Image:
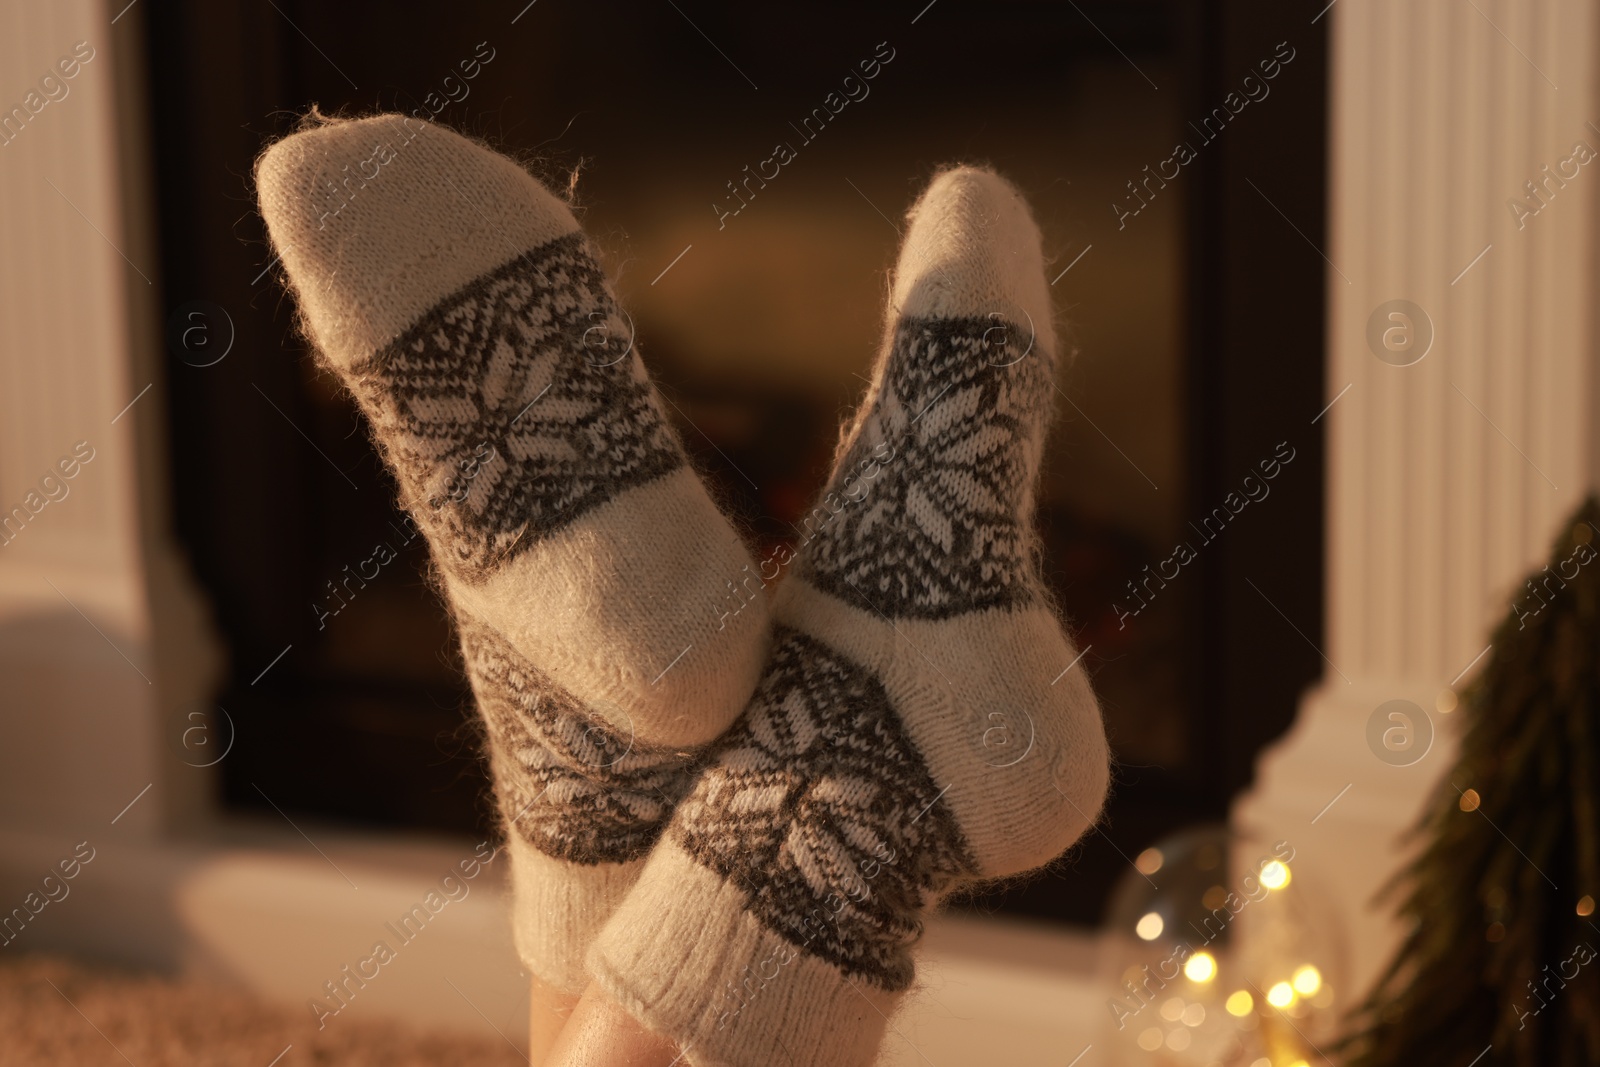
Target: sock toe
463	306
972	250
382	217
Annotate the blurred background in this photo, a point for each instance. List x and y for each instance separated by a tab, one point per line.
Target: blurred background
1230	192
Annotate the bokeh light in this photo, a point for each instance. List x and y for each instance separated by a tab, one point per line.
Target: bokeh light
1307	980
1201	967
1275	874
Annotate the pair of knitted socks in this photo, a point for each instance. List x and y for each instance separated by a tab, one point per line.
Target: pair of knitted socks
735	823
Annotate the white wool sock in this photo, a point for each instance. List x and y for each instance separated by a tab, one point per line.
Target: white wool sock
774	920
584	560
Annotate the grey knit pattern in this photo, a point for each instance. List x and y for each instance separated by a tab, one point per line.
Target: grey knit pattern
938	530
569	784
818	806
821	809
514	406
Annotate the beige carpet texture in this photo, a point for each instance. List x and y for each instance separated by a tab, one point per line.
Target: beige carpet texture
54	1012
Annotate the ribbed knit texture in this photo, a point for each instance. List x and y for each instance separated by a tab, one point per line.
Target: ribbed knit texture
585	564
922	721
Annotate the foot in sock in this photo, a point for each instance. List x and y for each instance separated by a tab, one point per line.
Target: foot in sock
921	722
585	563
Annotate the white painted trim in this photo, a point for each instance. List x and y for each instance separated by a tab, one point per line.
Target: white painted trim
1446	479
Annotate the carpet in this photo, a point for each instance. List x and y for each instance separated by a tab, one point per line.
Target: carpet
57	1012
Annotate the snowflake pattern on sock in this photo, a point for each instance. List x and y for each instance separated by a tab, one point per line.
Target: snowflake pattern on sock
569	784
515	406
820	807
925	517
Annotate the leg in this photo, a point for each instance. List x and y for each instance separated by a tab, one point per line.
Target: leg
602	1034
548	1011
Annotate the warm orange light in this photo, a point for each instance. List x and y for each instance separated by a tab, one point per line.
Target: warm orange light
1201	967
1275	875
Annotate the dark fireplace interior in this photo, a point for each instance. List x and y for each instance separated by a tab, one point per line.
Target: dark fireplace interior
1188	282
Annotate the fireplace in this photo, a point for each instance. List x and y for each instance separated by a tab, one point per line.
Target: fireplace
1175	159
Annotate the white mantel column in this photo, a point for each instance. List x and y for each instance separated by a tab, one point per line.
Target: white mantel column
1447	478
103	638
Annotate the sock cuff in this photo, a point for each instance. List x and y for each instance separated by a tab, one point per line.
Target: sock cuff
686	958
558	909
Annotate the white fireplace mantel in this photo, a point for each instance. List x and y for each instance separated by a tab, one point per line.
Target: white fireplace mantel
1447	478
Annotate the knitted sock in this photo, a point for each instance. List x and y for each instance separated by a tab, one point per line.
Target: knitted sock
920	721
584	561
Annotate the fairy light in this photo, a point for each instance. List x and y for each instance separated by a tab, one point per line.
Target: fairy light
1275	874
1240	1003
1281	995
1470	800
1150	926
1307	980
1201	967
